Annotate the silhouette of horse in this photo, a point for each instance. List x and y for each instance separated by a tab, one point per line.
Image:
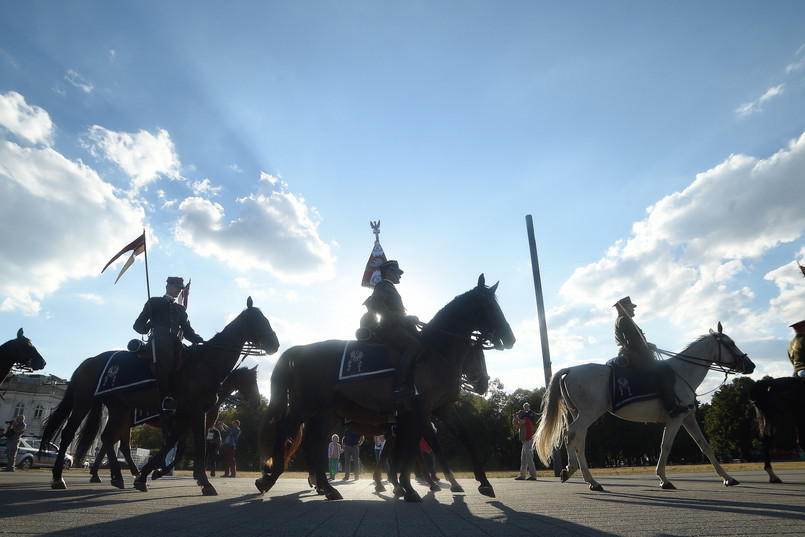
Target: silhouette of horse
584	391
19	353
196	387
304	390
118	427
778	401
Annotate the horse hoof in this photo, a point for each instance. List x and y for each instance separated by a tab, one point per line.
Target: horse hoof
487	490
668	486
119	483
775	479
596	487
412	497
456	488
435	488
259	484
398	491
380	488
156	475
333	495
564	475
95	479
58	484
142	486
209	490
731	482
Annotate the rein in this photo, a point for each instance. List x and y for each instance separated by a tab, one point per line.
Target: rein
717	365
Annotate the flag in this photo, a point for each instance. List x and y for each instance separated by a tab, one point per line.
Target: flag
136	247
185	294
801	268
371	276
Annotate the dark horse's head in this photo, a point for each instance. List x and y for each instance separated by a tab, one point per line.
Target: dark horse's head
473	371
487	317
24	354
257	329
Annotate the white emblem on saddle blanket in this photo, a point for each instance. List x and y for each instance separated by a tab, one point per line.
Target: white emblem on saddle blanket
360	361
623	385
355	358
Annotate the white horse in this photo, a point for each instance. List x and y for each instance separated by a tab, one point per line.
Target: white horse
586	395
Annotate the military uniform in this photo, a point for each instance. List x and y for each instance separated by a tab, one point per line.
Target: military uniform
796	352
168	323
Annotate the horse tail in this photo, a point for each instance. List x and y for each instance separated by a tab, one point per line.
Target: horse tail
60	414
554	419
281	379
291	445
759	395
92	424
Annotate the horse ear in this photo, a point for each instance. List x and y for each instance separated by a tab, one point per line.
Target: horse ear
481	280
19	332
494	288
255	368
720	329
249	302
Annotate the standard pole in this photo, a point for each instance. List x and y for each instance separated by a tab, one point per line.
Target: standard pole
543	326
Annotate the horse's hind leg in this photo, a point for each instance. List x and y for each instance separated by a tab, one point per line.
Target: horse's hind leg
692	426
767	443
576	438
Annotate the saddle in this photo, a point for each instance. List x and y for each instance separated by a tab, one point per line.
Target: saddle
142	349
630	385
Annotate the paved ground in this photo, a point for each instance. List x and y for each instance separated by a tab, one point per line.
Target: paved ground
631	506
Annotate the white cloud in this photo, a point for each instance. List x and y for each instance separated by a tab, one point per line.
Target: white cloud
78	81
143	156
274	231
684	262
62	220
28	123
754	106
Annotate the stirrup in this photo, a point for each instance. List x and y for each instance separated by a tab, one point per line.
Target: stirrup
169	405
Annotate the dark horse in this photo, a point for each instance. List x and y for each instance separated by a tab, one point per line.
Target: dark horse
118	428
20	353
778	401
196	387
304	390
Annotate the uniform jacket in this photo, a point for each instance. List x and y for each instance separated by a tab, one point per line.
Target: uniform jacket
163	314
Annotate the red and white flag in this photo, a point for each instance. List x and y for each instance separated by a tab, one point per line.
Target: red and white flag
184	295
136	247
371	276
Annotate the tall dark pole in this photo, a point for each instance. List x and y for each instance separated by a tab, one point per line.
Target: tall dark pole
543	326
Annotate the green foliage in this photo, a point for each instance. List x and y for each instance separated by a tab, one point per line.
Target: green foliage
729	424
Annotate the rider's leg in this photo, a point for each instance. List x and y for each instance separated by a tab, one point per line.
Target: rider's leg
666	379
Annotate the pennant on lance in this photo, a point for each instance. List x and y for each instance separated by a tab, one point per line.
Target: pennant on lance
136	247
371	276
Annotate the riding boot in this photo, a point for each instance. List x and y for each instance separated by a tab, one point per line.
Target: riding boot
666	379
167	404
403	378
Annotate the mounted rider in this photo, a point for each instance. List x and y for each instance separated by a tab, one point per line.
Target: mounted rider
395	328
167	321
635	352
796	352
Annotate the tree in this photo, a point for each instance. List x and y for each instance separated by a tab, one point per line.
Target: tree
729	421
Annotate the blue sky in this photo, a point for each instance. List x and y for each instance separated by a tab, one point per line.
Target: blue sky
658	147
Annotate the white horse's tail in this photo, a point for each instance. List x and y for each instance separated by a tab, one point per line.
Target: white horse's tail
554	419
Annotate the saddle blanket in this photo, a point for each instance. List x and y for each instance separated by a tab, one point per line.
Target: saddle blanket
360	361
630	386
140	416
124	371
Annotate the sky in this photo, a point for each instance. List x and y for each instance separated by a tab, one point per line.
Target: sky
658	147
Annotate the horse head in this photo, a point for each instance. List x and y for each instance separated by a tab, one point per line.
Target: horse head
489	319
258	330
29	357
473	371
734	359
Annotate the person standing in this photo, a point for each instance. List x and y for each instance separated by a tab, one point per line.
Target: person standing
334	451
16	428
525	419
352	444
796	353
213	447
231	435
380	442
167	321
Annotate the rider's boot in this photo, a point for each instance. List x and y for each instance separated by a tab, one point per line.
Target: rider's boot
666	379
403	378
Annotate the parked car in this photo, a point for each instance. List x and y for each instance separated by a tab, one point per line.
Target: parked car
28	454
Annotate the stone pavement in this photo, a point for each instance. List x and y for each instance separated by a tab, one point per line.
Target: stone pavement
630	506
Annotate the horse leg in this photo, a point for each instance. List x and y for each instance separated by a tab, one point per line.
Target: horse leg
405	448
314	445
433	442
450	417
766	438
692	426
141	482
283	429
108	437
199	430
67	436
576	439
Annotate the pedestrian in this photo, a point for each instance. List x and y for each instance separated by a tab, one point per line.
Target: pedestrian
333	454
231	435
352	444
380	442
525	419
213	447
16	428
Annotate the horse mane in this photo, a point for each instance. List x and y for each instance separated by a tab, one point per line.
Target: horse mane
695	342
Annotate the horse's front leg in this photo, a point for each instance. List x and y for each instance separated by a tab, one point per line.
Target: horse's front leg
692	426
158	460
450	416
433	442
199	431
668	435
